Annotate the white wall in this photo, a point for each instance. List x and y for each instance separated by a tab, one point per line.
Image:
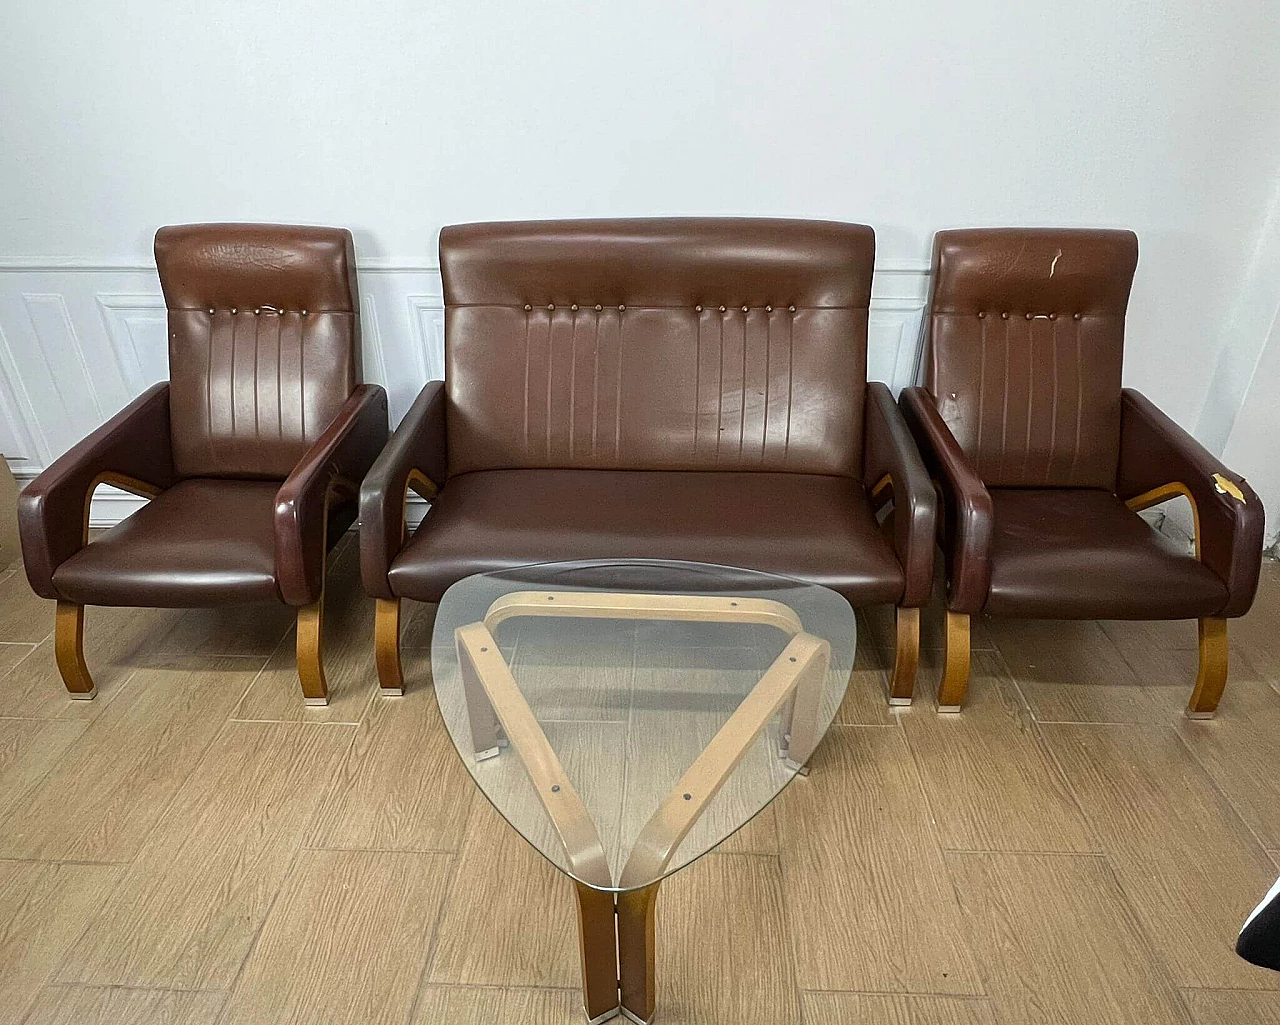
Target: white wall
395	118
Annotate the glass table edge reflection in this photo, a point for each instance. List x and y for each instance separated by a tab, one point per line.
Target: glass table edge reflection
616	920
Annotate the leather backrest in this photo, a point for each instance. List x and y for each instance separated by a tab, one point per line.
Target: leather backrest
672	343
264	342
1024	350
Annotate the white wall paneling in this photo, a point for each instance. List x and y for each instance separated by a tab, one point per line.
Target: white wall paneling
90	338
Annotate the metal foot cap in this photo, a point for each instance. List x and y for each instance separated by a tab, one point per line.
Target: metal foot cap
899	702
315	701
1201	715
391	692
87	695
948	709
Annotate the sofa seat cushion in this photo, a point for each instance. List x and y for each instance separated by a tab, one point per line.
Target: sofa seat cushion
816	528
201	542
1083	554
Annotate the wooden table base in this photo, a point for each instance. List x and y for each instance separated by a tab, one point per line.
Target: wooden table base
615	929
616	940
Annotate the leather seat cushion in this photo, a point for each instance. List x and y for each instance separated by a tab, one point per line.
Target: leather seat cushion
201	542
1083	554
813	527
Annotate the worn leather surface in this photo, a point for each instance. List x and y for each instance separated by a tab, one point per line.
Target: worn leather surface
1024	348
323	485
624	344
417	444
1066	553
264	387
967	512
1155	451
816	528
264	342
51	509
201	542
890	450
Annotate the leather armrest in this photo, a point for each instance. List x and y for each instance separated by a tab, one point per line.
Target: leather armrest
888	449
968	514
336	462
132	448
1155	451
418	444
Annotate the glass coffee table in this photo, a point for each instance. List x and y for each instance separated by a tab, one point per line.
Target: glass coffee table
625	717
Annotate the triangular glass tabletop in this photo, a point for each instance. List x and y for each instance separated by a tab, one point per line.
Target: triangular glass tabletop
625	717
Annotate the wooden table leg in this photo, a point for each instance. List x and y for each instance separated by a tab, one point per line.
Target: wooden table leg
597	944
636	952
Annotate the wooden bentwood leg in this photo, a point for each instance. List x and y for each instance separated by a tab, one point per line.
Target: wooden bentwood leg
1212	677
310	660
597	945
68	650
386	647
636	972
955	678
906	657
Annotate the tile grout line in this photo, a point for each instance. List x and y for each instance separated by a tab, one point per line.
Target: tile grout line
1219	791
455	867
257	936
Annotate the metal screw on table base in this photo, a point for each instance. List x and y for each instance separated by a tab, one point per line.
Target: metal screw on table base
556	789
688	797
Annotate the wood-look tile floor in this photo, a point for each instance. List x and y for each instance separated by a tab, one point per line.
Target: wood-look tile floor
196	846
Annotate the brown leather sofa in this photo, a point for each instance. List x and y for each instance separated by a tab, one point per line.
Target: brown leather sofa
1044	460
252	454
689	389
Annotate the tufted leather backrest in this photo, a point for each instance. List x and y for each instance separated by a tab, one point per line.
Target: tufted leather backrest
1024	350
264	342
673	343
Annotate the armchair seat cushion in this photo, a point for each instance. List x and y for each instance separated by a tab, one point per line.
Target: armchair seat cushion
817	528
201	542
1083	554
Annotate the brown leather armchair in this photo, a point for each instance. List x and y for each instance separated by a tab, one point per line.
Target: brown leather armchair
252	454
1044	460
688	389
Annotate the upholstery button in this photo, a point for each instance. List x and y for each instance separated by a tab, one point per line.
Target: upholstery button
574	307
527	307
792	309
768	309
257	312
698	309
599	307
1029	316
981	314
1053	316
303	312
211	311
551	306
233	310
1075	316
723	308
744	309
621	308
